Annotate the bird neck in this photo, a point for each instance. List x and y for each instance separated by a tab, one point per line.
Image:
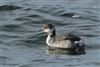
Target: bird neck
49	39
53	33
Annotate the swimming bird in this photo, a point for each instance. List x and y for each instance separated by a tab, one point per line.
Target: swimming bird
65	41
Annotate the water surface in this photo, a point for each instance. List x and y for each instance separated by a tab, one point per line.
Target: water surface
23	45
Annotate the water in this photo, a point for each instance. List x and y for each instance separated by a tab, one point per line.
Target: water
23	45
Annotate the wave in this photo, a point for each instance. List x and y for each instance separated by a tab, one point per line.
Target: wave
9	7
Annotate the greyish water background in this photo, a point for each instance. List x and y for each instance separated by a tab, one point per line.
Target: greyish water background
23	45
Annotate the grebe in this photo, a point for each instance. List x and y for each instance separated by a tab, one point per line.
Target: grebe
66	41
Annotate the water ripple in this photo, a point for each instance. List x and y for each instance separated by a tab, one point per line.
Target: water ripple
23	44
9	7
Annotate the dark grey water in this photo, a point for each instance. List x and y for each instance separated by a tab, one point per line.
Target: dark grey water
23	45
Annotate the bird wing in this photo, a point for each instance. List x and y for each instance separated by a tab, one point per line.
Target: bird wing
69	36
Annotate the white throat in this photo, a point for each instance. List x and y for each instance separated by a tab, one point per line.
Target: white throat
48	39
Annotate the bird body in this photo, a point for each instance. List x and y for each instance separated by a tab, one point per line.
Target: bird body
68	41
58	42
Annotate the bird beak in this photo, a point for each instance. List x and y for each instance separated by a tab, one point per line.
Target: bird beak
40	30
